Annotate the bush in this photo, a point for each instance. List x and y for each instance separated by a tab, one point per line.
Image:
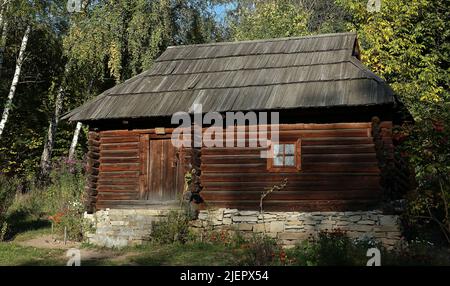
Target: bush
59	202
8	188
331	249
171	229
261	250
426	146
63	199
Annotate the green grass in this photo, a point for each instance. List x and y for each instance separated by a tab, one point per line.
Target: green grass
12	254
199	254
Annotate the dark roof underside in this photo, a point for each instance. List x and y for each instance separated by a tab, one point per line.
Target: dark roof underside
315	71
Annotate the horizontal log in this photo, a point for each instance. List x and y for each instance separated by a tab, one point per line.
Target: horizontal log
341	167
117	188
93	149
94	143
338	177
118	174
336	141
232	160
93	163
338	149
234	168
325	184
118	160
93	155
124	139
92	170
337	158
306	167
114	196
118	181
286	195
93	135
106	167
303	205
119	153
120	146
207	151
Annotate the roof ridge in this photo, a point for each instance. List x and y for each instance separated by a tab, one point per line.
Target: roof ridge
265	40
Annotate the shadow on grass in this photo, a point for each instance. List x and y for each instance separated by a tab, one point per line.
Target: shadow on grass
21	221
185	255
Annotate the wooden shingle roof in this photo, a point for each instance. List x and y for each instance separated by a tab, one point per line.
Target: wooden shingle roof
301	72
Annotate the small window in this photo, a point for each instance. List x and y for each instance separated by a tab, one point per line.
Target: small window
285	157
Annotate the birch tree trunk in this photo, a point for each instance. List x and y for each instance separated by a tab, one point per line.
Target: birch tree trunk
73	145
51	134
15	80
4	5
3	41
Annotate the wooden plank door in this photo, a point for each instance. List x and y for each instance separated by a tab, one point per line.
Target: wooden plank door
163	171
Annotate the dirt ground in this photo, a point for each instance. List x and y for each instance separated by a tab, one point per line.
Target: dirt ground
87	254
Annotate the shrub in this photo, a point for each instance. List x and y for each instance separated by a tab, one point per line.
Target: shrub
304	253
60	202
426	146
8	188
171	229
261	250
333	248
63	199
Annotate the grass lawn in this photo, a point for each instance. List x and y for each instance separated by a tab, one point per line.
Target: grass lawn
12	254
34	248
37	246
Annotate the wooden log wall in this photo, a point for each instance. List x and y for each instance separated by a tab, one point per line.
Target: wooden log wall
92	170
340	171
119	171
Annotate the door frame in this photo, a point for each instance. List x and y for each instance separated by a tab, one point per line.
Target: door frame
144	156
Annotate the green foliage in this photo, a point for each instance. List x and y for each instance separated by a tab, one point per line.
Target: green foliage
426	145
335	248
330	248
407	43
261	250
174	228
60	202
273	19
8	189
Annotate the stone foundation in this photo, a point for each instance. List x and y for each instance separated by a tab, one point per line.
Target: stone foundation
122	227
292	227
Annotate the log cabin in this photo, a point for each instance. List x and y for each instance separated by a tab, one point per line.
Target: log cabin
334	146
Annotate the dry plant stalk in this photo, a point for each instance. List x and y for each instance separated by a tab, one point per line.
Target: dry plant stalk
270	190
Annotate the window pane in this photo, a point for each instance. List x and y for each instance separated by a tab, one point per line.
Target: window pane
289	149
289	160
278	149
278	161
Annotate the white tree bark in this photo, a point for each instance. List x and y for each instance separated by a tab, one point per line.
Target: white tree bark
74	143
3	42
51	134
15	80
3	7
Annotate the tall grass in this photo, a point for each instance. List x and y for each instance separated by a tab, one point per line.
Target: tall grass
58	202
